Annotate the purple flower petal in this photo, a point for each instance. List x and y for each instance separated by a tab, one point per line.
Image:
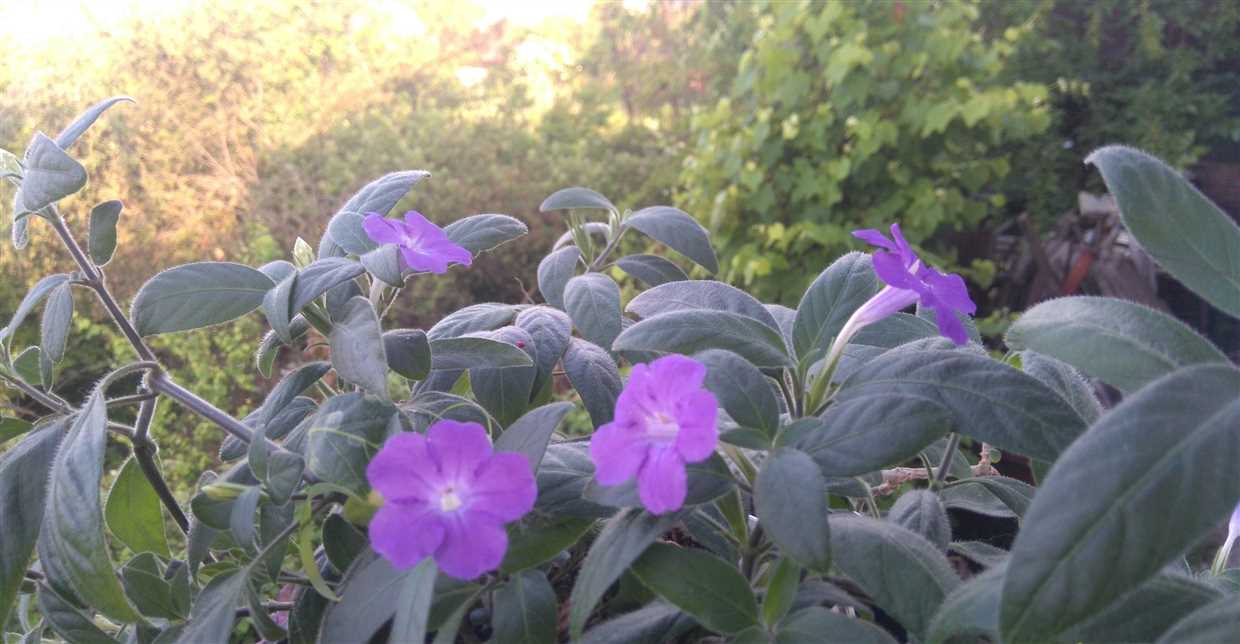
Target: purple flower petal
905	251
892	270
422	262
405	535
458	448
951	291
676	375
504	487
875	238
450	251
949	326
698	431
419	224
662	482
471	546
617	452
400	470
382	230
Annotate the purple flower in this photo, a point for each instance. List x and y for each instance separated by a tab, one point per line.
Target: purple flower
909	281
664	419
447	495
423	245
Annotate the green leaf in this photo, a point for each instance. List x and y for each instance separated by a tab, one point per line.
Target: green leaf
148	590
554	271
576	198
378	196
102	240
467	352
565	471
343	436
479	233
690	331
28	364
1111	513
57	318
701	584
23	488
781	590
36	294
11	428
531	433
386	264
369	594
215	610
241	520
475	318
700	294
971	611
816	624
277	307
342	543
1122	343
1215	622
534	541
790	497
357	348
656	623
903	573
48	175
525	610
988	400
596	378
623	539
70	134
593	302
320	277
864	434
278	270
1183	230
267	627
133	512
922	512
72	546
827	304
413	604
67	621
742	390
197	295
652	270
505	393
408	352
678	231
286	391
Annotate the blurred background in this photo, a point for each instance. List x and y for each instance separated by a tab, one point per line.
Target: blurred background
781	126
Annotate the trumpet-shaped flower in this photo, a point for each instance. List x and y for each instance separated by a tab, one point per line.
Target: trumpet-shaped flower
447	495
664	420
422	244
908	281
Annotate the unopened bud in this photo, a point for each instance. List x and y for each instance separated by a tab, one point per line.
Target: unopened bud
303	254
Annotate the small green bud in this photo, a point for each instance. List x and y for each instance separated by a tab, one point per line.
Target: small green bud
303	254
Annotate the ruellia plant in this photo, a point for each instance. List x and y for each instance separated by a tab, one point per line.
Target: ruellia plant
733	469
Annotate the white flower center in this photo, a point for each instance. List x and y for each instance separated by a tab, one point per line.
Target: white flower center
662	427
412	242
449	500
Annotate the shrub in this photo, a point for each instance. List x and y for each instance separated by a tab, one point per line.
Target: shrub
752	471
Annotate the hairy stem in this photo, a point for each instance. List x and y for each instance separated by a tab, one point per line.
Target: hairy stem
940	477
191	401
144	453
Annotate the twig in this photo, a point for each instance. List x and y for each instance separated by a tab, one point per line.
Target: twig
940	477
897	476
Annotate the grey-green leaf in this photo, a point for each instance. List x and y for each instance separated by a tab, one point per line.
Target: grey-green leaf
525	610
197	295
215	610
596	378
700	294
691	331
651	269
1183	230
576	198
922	512
623	539
48	176
1119	342
828	302
35	295
554	271
790	497
701	584
102	240
1216	622
466	352
70	134
357	348
57	318
23	488
825	626
479	233
133	512
69	622
1065	380
970	611
593	302
876	554
408	352
342	437
741	389
531	433
474	318
72	546
413	603
1111	513
679	231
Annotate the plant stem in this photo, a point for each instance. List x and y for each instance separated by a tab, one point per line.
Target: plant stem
611	245
161	383
144	453
940	477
